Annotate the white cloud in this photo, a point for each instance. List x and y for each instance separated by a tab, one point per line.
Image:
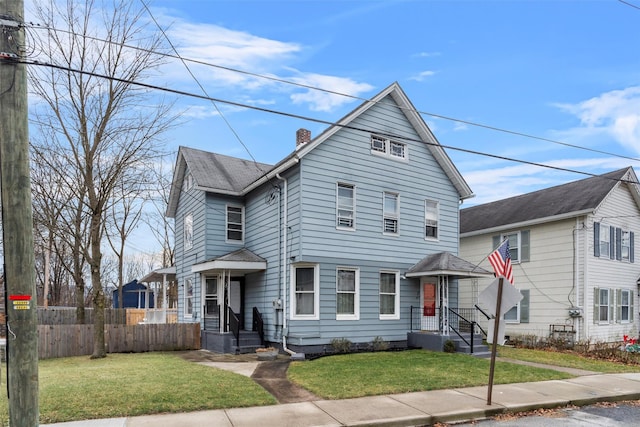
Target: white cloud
423	75
614	114
426	54
324	101
238	50
490	184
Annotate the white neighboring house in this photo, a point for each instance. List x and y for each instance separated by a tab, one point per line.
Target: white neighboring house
572	248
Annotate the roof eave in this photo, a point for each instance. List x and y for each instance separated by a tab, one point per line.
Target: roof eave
527	223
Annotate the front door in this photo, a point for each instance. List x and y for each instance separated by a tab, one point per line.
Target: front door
233	298
429	307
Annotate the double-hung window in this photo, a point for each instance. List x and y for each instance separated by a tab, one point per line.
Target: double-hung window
188	297
305	285
188	232
431	219
389	295
602	305
347	290
391	212
605	241
626	246
624	299
345	215
235	224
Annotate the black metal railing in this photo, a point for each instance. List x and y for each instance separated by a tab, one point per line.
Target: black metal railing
463	325
462	321
258	324
234	323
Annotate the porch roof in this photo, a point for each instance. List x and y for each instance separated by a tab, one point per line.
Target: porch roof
446	264
160	274
242	261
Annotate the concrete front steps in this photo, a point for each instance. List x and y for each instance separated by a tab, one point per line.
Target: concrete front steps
480	349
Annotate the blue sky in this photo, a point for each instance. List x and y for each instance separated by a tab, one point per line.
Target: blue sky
568	71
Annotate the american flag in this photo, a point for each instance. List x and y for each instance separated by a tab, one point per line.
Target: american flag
500	260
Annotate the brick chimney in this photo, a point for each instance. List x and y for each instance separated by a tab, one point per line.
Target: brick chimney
302	137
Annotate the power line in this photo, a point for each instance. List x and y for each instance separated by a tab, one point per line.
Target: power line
311	119
358	98
224	118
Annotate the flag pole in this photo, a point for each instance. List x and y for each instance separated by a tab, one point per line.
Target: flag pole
496	326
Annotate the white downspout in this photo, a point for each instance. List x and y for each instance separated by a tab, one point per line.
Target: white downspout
283	288
576	272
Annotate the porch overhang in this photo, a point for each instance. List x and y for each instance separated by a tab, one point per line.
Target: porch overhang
239	262
160	275
239	267
446	264
451	273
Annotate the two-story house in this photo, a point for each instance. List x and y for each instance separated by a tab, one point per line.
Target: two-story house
572	248
340	239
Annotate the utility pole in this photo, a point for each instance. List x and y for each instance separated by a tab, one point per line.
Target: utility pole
17	221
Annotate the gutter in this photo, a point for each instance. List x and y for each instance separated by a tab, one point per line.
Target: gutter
529	223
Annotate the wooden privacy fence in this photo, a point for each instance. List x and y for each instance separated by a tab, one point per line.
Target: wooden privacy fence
67	316
77	340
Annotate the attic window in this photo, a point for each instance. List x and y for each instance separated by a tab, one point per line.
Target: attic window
188	182
386	147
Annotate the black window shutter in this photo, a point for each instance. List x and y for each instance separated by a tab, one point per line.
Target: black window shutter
495	242
631	246
596	239
618	244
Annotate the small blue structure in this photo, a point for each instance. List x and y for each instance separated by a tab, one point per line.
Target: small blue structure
134	295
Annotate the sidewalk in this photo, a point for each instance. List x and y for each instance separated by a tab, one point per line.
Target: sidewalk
409	409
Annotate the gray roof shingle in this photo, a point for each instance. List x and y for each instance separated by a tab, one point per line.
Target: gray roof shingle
577	196
445	263
222	173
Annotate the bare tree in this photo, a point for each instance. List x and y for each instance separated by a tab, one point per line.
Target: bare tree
60	219
121	220
102	120
156	220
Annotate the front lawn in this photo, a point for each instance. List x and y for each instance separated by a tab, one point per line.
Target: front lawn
569	360
78	388
367	374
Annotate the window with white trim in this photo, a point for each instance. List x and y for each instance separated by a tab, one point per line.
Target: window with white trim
345	212
389	295
391	212
305	284
605	241
625	250
603	305
513	315
431	215
347	293
188	231
188	298
187	182
235	223
624	306
388	147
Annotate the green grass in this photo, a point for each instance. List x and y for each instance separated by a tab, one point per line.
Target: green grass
566	359
120	385
366	374
78	388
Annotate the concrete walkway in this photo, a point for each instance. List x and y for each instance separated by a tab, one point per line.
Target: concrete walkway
407	409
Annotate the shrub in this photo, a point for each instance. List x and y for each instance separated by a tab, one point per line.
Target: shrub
379	344
449	347
341	345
